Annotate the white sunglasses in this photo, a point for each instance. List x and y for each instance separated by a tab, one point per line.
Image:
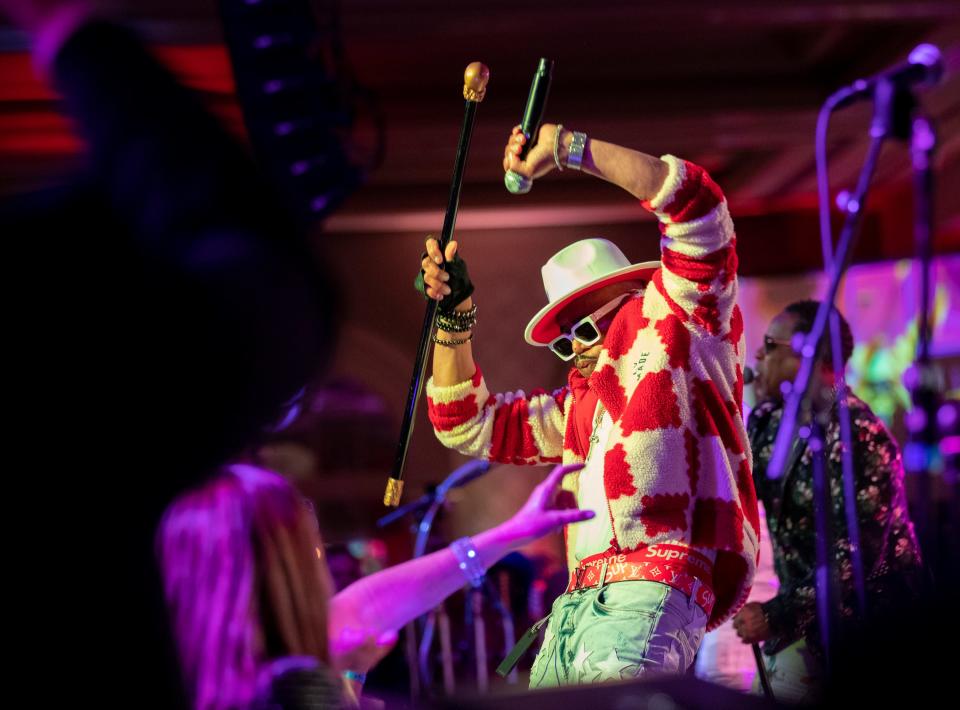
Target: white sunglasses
584	331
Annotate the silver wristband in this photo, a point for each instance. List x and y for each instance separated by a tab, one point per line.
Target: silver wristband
575	151
468	559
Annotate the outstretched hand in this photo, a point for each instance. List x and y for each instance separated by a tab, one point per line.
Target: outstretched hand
540	515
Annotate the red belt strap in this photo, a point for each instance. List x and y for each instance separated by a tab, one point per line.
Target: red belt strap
674	565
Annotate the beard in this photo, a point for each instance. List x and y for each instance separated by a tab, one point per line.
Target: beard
585	365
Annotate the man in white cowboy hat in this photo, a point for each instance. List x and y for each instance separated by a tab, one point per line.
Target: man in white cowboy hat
652	407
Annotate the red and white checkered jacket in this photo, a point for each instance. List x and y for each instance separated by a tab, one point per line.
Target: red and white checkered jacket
677	464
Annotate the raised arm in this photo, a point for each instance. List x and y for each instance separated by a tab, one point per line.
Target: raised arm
639	174
698	278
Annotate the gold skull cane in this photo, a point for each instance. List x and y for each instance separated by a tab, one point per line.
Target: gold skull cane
475	80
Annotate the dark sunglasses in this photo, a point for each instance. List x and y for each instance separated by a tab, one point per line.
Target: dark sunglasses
584	331
770	344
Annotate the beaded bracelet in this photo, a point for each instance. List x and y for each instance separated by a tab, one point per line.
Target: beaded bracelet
454	327
458	321
460	315
468	560
452	342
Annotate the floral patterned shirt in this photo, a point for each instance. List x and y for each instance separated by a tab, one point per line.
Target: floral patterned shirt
891	557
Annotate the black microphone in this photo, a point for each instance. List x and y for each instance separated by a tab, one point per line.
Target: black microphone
924	67
749	375
530	124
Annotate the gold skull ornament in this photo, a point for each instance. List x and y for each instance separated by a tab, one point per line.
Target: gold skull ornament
475	79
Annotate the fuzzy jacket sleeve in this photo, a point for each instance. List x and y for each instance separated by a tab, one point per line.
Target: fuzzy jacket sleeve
510	428
697	247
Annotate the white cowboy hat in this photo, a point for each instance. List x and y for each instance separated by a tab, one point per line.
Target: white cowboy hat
582	267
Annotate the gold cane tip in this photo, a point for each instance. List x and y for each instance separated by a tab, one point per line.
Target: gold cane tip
475	80
391	496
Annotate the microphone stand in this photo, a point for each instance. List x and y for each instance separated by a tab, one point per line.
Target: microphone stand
836	100
922	457
892	107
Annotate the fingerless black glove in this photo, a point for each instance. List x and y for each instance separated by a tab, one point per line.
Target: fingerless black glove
461	287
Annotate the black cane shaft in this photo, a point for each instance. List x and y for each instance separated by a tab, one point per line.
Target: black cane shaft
426	334
413	392
453	203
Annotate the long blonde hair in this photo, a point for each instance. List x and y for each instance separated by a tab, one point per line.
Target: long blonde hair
243	583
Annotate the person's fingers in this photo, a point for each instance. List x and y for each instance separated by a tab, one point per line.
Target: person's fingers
431	271
544	491
433	250
452	250
514	146
567	517
556	475
508	151
438	291
550	482
434	277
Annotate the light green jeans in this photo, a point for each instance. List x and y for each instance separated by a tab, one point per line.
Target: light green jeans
618	631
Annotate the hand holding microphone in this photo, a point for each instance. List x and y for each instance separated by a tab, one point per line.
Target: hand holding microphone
517	182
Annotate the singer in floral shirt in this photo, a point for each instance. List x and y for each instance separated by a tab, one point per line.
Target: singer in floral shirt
891	557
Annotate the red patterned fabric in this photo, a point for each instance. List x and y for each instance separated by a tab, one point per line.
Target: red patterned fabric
617	476
676	340
676	464
449	415
653	406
